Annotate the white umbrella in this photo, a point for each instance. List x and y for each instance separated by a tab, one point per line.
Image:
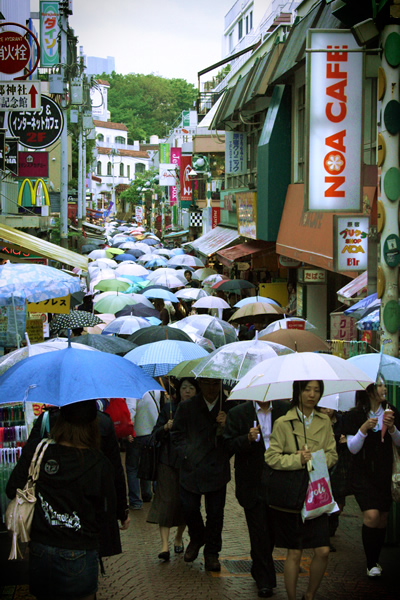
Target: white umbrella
213	279
287	323
202	274
104	263
134	270
191	294
142	246
272	379
106	318
170	281
126	325
186	260
97	254
252	299
127	245
211	302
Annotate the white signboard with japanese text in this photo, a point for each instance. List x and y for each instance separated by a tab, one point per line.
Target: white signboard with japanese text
19	95
235	153
335	118
352	243
167	174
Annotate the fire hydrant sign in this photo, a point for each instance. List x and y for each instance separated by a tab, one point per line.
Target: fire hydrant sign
14	52
19	95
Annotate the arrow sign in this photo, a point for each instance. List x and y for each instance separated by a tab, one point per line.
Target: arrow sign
33	93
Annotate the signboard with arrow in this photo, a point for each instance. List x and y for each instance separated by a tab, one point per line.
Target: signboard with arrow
17	95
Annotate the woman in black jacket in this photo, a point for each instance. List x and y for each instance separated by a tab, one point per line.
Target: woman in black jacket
75	497
371	467
166	508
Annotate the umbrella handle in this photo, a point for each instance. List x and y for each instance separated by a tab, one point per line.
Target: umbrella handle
309	462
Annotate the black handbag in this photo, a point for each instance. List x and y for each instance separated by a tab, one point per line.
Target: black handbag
286	490
148	460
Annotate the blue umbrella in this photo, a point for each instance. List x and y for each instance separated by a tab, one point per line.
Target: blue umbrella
176	251
358	309
371	322
157	261
159	358
160	293
150	241
67	376
378	364
123	257
36	282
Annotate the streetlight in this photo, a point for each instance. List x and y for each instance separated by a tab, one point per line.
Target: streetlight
200	166
113	153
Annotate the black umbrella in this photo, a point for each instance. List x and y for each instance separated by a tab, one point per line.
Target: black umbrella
138	310
86	248
106	343
74	320
233	284
77	298
157	333
136	252
154	287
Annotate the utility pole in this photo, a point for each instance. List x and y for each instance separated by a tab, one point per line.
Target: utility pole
64	11
389	250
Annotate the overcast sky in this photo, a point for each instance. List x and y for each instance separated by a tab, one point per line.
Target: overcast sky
171	38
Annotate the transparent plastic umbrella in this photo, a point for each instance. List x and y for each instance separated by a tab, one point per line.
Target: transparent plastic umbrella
202	274
112	304
191	294
234	360
218	331
186	260
253	299
288	323
378	364
159	358
125	325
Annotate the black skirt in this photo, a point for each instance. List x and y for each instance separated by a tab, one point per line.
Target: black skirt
293	534
166	509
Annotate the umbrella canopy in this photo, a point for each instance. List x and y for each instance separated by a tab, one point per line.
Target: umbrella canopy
70	375
202	341
167	272
154	263
94	254
159	358
191	294
125	325
256	312
150	256
86	248
125	258
111	285
233	361
186	260
139	310
103	263
212	279
157	333
110	252
253	299
371	321
378	364
358	309
12	358
211	302
135	252
160	293
233	284
169	281
150	241
112	304
143	246
76	298
106	318
35	282
135	270
298	340
202	274
74	320
105	343
218	331
184	369
287	323
272	379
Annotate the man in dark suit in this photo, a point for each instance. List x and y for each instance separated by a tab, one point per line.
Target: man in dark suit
246	434
204	468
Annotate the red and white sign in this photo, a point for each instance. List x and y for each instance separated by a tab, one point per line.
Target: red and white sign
295	324
186	183
175	158
335	86
216	217
33	164
14	52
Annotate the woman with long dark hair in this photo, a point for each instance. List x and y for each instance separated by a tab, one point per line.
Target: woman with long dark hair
372	428
75	495
166	508
313	432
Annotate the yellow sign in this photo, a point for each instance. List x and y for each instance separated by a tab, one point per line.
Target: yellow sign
34	191
34	329
55	305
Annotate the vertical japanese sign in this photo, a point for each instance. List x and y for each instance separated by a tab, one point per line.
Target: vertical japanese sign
2	149
246	206
164	153
235	153
186	118
186	184
216	217
49	31
335	111
175	160
352	243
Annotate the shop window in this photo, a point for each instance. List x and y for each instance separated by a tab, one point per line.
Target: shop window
109	167
98	170
121	169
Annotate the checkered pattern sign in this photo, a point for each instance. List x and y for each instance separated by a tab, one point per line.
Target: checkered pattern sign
196	219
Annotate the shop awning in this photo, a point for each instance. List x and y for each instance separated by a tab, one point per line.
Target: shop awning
308	236
243	251
206	121
43	248
214	240
176	234
356	289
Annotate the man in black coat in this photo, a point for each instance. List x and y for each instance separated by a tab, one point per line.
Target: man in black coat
204	468
247	430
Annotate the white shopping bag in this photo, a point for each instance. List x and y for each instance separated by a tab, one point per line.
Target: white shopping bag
319	499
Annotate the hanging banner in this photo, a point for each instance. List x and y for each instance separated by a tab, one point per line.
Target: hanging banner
175	160
335	109
186	183
167	175
49	31
246	203
235	152
216	217
55	305
351	243
164	153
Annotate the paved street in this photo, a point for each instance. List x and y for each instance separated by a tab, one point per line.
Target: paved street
138	574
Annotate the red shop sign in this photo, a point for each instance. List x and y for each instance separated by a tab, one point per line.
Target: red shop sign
15	52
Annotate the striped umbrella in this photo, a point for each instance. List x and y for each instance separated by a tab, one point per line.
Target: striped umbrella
159	358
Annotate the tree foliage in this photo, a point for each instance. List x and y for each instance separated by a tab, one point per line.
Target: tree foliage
147	104
132	193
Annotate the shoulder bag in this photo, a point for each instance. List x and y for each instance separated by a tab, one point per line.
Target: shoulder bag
19	512
286	490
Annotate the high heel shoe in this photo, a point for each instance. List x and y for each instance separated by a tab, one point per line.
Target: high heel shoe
179	549
165	556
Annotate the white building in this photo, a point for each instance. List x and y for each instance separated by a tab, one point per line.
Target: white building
117	162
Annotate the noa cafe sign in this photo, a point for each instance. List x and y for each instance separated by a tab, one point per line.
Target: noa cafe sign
334	89
352	243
